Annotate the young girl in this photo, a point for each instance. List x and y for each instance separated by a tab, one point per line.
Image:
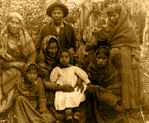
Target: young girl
30	100
66	73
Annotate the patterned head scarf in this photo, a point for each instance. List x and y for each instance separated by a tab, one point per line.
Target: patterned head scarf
16	15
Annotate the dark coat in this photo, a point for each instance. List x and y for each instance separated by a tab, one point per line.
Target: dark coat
46	30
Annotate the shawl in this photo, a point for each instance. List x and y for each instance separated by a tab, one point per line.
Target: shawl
44	59
121	35
27	45
101	104
11	76
106	76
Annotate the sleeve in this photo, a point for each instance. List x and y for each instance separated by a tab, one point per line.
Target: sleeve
54	75
6	65
73	39
82	74
41	97
50	85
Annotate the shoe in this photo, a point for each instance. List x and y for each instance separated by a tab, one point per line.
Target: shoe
77	116
68	113
69	118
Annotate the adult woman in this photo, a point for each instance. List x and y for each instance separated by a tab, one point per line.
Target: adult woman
16	49
48	59
125	54
104	92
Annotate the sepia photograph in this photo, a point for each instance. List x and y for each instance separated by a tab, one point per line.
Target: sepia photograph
74	61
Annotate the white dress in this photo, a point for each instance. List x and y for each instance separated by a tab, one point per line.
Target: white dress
69	76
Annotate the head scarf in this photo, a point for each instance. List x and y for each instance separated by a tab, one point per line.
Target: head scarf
104	76
44	59
16	15
46	41
26	43
116	8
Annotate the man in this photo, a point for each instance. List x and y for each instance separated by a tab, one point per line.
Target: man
57	27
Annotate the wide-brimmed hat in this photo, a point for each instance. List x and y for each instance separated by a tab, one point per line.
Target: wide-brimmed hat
57	4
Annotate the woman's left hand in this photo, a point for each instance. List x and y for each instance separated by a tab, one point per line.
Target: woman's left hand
79	84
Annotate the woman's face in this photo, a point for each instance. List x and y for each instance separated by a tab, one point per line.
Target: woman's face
14	25
113	17
64	59
32	75
57	16
101	60
52	49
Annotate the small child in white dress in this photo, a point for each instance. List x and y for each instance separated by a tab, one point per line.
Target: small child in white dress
66	73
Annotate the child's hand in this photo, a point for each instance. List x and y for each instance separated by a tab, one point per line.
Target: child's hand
65	88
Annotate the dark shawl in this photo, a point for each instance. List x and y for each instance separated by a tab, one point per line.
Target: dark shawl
101	103
105	76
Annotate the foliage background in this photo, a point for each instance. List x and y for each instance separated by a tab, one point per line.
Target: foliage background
34	14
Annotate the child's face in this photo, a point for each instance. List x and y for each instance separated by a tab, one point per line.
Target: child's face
31	75
113	17
52	49
64	58
101	60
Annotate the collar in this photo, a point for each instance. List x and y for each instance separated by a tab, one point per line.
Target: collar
64	66
62	25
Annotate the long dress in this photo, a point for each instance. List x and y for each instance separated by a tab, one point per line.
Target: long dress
28	98
46	64
104	95
30	102
22	50
124	45
68	75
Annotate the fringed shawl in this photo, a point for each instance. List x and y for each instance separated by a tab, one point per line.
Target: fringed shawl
10	77
27	45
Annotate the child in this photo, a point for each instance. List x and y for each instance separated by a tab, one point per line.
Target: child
30	100
66	73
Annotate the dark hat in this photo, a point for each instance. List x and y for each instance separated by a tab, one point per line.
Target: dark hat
57	4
